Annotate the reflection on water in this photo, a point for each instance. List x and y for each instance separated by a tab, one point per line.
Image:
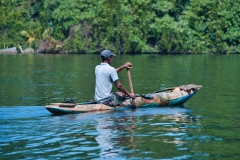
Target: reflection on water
155	133
32	132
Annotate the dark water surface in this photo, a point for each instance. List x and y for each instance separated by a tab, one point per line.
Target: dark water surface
206	127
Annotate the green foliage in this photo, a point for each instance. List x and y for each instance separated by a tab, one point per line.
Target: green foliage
171	26
10	24
216	23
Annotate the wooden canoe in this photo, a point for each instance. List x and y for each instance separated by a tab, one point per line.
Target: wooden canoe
165	97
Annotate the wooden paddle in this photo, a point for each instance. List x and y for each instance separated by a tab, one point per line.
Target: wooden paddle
131	87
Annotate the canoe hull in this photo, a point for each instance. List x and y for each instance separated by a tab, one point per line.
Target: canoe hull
62	108
159	99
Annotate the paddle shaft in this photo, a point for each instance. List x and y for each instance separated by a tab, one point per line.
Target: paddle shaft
131	88
130	81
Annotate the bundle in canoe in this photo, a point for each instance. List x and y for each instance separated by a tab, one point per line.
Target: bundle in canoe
167	97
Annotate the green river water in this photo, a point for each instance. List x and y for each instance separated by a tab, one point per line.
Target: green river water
205	127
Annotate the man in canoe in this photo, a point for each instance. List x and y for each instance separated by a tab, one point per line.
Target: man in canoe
105	76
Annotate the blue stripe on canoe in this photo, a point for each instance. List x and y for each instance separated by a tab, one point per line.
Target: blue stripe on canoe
62	111
181	100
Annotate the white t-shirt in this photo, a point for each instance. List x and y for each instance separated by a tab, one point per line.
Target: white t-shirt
105	76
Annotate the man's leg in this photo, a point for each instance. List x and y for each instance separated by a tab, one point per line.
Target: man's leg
117	99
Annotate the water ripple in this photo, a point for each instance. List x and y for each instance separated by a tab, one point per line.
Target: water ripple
119	135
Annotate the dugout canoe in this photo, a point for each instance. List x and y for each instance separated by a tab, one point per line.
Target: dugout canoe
166	97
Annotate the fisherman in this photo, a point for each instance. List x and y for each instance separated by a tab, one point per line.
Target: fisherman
105	76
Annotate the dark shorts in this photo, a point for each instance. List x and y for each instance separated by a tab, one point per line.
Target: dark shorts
115	100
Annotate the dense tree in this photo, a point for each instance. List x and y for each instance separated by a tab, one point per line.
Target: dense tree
159	26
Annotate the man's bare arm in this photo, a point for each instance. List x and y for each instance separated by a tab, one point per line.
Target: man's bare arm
126	65
121	88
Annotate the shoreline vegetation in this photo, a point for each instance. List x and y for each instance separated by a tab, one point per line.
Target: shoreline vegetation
123	26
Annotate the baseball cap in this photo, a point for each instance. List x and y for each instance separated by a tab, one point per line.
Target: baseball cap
106	53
